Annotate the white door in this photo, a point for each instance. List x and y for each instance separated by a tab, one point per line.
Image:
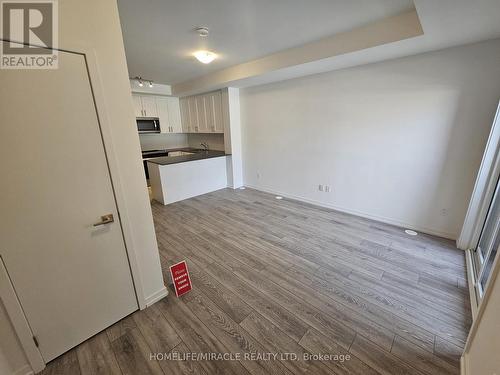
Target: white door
137	105
163	114
174	114
72	278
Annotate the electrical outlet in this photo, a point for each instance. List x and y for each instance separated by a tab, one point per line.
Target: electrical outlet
320	187
444	212
327	188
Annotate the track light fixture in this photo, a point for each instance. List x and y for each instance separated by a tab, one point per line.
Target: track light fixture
140	81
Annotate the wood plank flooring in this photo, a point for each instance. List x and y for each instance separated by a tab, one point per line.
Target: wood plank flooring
281	276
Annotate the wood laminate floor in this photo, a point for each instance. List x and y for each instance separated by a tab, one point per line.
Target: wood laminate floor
280	276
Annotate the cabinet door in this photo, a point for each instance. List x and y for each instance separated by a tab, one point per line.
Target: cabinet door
202	113
193	114
185	119
209	110
136	99
174	114
217	109
149	106
163	114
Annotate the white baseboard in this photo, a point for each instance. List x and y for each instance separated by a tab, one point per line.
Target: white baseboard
463	365
156	296
25	370
382	219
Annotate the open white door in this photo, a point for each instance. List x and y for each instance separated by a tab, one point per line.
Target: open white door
72	278
487	247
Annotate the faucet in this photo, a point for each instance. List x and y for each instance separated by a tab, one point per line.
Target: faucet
204	145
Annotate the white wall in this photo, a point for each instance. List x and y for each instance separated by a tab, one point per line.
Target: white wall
399	141
95	24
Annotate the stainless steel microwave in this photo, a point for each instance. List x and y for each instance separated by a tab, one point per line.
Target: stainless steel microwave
148	125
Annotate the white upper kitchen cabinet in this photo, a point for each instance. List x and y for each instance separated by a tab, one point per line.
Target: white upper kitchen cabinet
169	114
144	106
202	114
193	114
214	104
185	118
149	106
174	114
137	105
163	114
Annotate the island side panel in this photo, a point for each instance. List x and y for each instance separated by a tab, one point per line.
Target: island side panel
155	182
192	178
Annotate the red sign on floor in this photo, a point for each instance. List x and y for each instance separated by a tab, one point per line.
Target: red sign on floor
180	277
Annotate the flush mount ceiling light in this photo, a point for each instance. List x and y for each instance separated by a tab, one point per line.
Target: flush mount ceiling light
205	57
140	81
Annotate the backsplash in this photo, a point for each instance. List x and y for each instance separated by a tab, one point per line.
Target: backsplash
163	141
215	141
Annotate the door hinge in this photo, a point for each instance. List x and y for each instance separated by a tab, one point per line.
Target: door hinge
36	341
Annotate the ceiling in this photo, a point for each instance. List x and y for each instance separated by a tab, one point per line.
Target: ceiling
159	35
262	41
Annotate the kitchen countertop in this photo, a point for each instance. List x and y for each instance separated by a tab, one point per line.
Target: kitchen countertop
197	155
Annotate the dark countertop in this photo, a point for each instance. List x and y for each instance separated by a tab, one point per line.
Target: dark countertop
198	155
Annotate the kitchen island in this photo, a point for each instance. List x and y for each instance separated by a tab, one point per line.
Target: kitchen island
193	173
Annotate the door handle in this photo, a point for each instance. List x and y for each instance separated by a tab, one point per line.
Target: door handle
106	219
